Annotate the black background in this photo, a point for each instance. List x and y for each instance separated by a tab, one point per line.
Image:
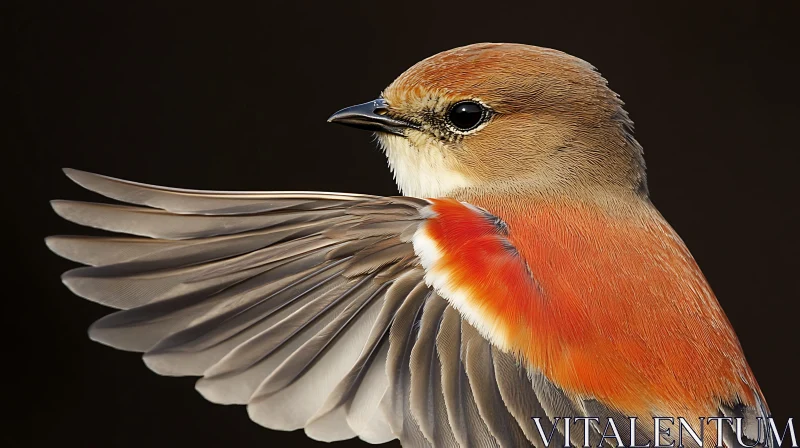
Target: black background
235	98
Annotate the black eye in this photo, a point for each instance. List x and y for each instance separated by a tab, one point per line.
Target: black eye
466	115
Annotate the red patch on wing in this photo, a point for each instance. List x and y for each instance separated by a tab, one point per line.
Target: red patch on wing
480	260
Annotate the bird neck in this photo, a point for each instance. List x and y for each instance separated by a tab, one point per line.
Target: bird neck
521	196
611	177
604	169
602	159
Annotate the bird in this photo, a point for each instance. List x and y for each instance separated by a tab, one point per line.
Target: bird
522	282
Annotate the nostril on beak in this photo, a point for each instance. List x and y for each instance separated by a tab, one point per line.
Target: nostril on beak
381	106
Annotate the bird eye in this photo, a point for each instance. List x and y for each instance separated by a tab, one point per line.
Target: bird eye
466	115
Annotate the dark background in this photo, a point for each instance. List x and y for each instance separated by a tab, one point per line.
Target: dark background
235	98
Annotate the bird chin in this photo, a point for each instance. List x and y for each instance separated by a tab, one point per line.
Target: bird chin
419	166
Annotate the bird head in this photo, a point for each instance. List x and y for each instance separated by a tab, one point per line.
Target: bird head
502	116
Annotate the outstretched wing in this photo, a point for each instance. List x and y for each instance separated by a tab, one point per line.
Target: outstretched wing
310	308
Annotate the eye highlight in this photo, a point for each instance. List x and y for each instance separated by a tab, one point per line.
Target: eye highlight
466	115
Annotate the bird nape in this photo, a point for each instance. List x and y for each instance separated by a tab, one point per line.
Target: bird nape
523	292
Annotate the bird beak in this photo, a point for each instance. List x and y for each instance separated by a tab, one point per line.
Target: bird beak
371	116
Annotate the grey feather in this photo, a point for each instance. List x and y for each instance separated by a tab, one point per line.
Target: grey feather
96	250
477	354
364	291
249	302
366	229
179	200
394	298
398	268
256	348
425	398
523	404
298	388
556	404
162	224
402	336
201	354
125	285
462	412
336	410
350	247
235	377
160	253
378	256
140	328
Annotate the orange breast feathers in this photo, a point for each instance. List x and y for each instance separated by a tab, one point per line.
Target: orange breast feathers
613	308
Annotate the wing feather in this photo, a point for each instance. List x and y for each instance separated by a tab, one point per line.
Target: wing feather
491	407
522	402
426	400
462	412
178	200
339	409
298	388
155	223
403	333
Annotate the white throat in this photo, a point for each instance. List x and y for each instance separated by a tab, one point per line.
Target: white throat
422	172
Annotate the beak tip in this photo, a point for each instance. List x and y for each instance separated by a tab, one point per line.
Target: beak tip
336	117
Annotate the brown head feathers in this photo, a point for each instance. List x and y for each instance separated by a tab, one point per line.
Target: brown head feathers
551	123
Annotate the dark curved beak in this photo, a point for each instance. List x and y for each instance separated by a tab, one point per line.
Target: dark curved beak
371	116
